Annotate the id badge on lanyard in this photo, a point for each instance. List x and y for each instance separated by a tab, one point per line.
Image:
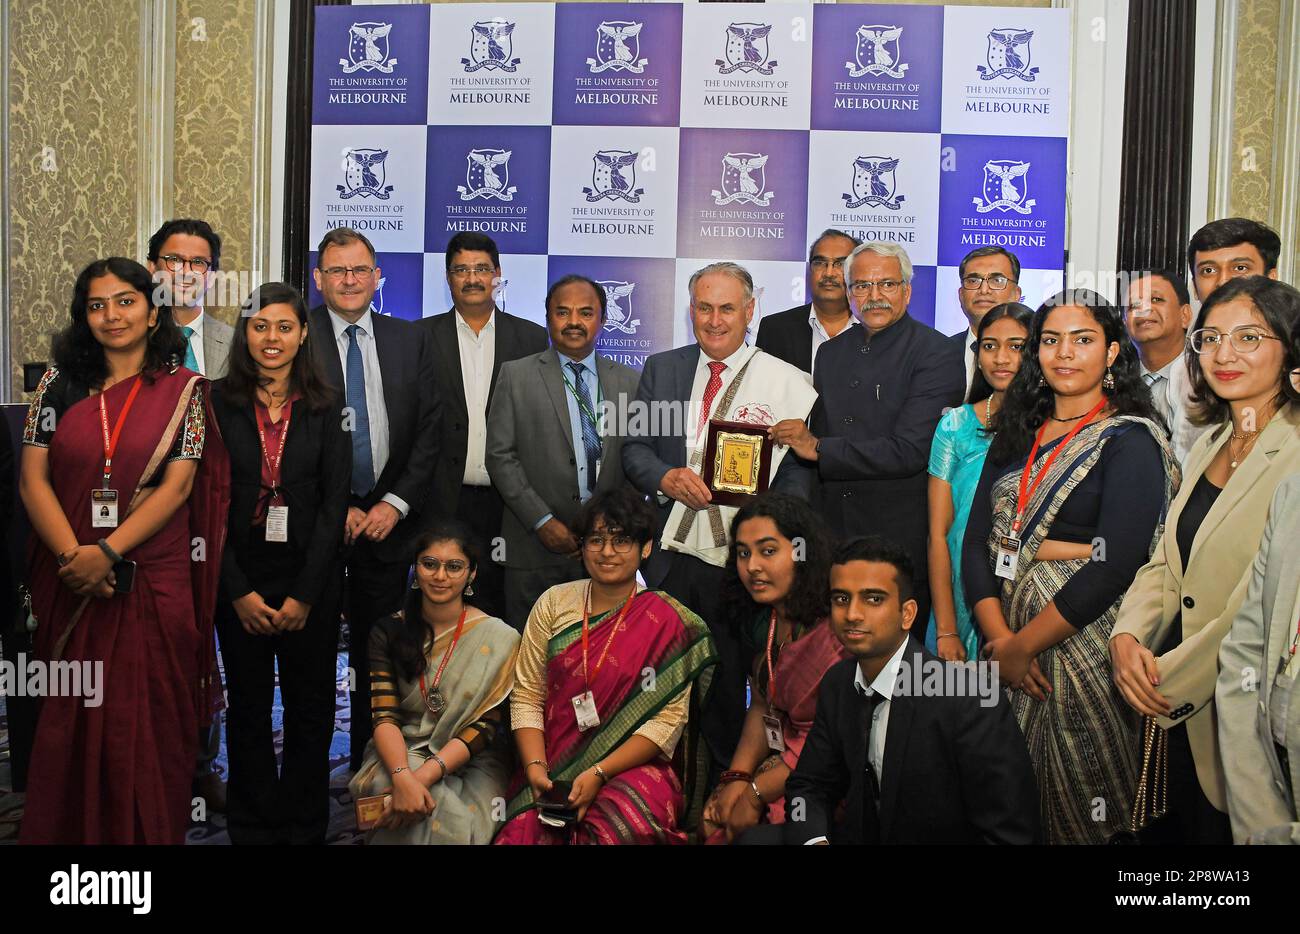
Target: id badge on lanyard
772	728
104	501
277	517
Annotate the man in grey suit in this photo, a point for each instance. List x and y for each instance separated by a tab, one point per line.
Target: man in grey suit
546	452
185	254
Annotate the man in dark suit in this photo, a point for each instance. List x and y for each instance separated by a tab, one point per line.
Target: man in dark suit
719	377
882	389
796	334
987	277
470	343
549	449
918	749
384	370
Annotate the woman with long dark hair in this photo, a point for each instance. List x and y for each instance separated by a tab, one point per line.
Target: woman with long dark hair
290	460
126	489
776	585
1068	509
1165	648
957	453
440	673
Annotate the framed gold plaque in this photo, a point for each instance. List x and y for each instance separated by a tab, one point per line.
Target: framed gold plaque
737	461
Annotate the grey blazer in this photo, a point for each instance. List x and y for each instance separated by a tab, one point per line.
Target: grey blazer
530	455
217	337
1260	802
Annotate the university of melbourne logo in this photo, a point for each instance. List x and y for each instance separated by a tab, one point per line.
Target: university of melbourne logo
874	184
368	49
618	48
1008	55
877	52
377	303
747	50
364	175
487	175
1005	188
613	177
739	183
618	306
490	47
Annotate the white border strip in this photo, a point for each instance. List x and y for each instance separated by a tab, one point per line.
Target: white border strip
1285	183
156	101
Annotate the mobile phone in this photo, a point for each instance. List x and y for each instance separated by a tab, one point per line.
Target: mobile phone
558	796
124	576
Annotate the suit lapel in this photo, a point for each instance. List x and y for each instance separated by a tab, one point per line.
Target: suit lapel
447	336
503	348
897	732
804	337
387	348
553	380
326	347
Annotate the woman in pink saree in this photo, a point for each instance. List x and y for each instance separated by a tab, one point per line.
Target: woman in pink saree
779	564
607	677
126	484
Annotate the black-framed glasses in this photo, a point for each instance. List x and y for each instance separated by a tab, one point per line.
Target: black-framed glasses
454	568
622	543
461	271
863	287
997	282
177	263
820	263
341	272
1244	339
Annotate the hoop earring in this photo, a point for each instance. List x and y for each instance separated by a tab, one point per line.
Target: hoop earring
1108	381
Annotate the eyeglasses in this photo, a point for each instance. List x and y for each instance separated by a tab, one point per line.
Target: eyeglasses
177	263
820	263
482	269
622	543
886	286
454	568
1244	339
341	272
997	282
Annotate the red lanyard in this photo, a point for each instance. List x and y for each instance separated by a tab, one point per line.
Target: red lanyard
1027	488
273	465
771	671
442	666
110	443
586	614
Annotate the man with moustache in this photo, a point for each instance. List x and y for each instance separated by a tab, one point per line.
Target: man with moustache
384	370
882	389
470	343
987	276
796	334
1157	314
718	377
548	449
913	759
1229	248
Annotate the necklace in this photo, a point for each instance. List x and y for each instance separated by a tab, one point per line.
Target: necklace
1248	438
1072	418
988	411
432	695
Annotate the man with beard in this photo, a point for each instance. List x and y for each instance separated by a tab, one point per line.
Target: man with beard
796	334
546	450
470	344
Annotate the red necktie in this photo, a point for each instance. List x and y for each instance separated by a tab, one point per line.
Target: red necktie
710	393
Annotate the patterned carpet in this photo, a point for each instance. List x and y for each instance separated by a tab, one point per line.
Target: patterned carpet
342	825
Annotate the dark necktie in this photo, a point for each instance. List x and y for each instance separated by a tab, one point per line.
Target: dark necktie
590	436
871	784
363	464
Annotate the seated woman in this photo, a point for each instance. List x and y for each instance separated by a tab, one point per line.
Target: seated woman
604	685
780	592
440	671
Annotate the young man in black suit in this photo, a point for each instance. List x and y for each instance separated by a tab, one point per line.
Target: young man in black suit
384	370
796	334
919	750
470	342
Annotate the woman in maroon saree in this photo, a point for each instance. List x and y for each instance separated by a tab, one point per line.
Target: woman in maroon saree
645	661
778	584
120	771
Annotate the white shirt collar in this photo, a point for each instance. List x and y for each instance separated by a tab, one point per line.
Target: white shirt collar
735	361
1165	370
196	325
815	322
340	323
489	328
888	677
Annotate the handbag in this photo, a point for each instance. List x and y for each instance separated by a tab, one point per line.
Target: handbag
1151	801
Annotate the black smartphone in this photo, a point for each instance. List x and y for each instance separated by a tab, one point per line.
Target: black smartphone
124	576
558	796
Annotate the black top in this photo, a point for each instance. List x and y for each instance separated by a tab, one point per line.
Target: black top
1118	504
1194	512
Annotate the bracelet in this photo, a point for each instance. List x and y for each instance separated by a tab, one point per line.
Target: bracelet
541	762
400	768
438	759
107	549
761	803
604	779
951	635
734	775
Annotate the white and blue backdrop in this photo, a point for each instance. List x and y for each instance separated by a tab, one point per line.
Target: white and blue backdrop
636	142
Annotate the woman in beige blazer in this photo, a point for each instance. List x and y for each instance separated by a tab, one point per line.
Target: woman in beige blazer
1164	647
1259	705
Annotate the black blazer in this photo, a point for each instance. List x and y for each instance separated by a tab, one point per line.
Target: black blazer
414	411
788	336
515	338
955	771
315	474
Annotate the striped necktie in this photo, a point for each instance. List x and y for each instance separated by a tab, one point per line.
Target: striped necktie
590	436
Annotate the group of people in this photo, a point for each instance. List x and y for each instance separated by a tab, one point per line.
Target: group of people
558	632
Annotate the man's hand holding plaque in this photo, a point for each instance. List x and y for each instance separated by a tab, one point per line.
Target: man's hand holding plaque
737	461
795	434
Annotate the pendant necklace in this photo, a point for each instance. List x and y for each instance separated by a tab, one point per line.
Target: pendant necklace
432	695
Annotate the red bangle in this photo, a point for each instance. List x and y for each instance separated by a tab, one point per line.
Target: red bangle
734	776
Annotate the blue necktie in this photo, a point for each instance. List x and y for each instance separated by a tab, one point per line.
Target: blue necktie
363	465
590	437
191	361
